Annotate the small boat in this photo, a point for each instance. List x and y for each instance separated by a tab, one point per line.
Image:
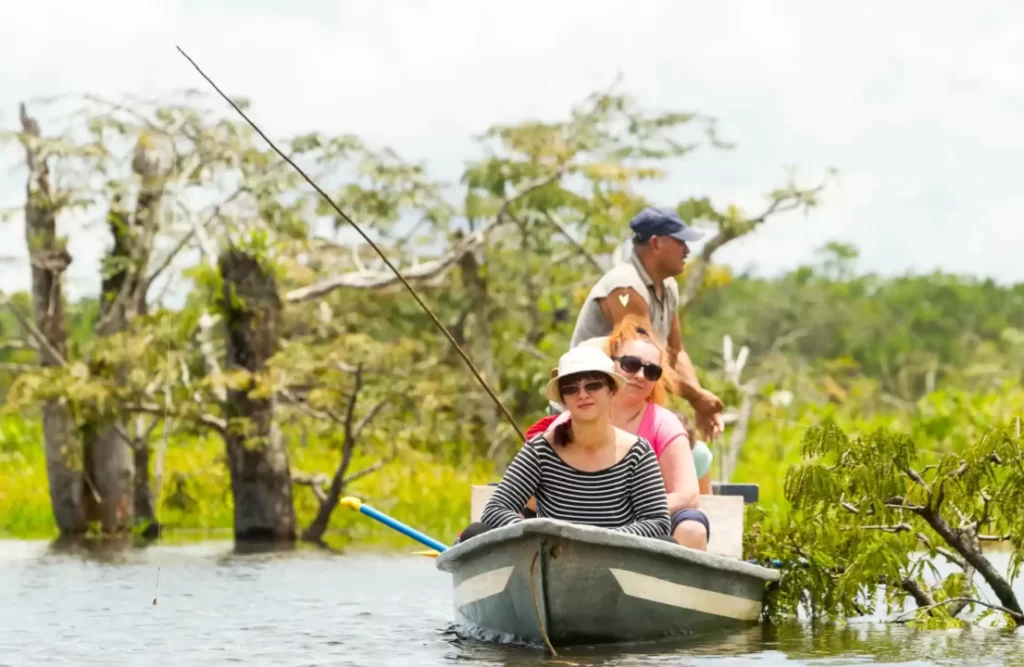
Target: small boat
547	581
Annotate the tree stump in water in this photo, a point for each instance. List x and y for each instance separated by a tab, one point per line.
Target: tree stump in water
49	260
257	457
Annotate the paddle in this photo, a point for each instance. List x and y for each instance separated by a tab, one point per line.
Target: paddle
356	504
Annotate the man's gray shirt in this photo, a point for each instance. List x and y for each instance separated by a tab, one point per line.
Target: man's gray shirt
592	323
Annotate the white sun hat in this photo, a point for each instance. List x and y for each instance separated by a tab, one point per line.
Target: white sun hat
583	360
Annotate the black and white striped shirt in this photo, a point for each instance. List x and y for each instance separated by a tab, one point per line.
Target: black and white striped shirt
628	496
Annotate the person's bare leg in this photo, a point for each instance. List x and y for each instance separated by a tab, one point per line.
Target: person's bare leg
691	534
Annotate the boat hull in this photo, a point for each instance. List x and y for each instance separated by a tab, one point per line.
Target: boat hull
586	585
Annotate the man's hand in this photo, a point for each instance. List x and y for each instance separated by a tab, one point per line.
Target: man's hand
708	409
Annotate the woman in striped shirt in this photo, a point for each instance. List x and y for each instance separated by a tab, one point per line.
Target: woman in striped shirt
639	408
584	471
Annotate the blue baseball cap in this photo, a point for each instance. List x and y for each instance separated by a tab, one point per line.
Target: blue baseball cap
662	222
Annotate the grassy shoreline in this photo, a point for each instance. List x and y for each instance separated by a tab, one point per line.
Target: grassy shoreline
432	493
195	499
423	491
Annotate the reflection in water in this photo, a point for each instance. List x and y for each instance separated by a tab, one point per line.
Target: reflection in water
106	549
899	643
263	547
219	604
871	643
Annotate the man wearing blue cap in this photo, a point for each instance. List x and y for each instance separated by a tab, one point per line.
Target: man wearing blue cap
645	285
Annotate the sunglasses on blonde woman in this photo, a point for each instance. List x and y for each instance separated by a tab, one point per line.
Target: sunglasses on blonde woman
632	364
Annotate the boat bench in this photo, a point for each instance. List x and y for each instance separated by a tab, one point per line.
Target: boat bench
724	509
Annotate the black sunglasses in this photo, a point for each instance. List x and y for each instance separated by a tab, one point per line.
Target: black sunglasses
592	386
632	364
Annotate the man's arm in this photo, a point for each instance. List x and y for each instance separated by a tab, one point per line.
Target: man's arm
690	389
623	301
707	406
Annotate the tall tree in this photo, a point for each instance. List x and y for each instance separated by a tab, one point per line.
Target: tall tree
257	456
504	259
49	258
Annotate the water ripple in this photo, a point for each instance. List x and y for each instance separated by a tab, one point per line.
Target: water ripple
306	607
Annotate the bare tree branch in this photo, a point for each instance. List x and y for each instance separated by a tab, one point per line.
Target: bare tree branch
315	481
896	528
780	204
381	279
921	597
17	368
368	417
899	503
945	553
426	270
367	470
973	555
1016	616
174	252
915	476
207	420
206	322
18	345
303	406
31	328
350	411
558	224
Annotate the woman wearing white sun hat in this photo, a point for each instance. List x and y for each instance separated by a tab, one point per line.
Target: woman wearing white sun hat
585	471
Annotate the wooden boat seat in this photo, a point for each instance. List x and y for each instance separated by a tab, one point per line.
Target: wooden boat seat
725	513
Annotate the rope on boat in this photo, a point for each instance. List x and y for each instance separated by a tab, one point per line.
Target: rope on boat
536	605
344	216
540	621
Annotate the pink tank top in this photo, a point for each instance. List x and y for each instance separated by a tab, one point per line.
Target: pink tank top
659	426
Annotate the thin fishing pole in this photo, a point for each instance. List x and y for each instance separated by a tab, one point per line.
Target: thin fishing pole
344	216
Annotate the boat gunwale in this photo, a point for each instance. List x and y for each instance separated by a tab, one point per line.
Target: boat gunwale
450	558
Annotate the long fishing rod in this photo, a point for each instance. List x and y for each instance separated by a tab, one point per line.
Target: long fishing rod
344	216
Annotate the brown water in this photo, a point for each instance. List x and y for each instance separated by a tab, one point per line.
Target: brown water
218	607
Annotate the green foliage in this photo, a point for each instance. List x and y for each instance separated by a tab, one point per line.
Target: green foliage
24	501
876	508
194	502
921	372
911	334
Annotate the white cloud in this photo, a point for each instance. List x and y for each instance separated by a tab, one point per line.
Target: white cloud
917	103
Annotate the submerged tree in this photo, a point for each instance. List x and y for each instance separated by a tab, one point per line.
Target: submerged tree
878	510
537	218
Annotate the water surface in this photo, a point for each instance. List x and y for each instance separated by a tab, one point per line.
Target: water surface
215	606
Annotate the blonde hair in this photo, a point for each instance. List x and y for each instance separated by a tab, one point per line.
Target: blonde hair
634	327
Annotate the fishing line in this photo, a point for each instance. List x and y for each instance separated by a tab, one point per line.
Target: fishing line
344	216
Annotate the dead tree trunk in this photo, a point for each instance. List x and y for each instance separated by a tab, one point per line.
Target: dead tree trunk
108	453
316	529
739	435
121	466
485	415
49	260
143	500
329	500
257	457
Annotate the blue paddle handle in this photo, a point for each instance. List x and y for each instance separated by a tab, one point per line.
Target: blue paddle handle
402	528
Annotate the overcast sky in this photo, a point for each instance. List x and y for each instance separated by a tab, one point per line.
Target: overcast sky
918	104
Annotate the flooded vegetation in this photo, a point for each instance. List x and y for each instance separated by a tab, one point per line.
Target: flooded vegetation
248	362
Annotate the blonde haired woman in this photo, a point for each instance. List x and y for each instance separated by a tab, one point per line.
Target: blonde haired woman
638	408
